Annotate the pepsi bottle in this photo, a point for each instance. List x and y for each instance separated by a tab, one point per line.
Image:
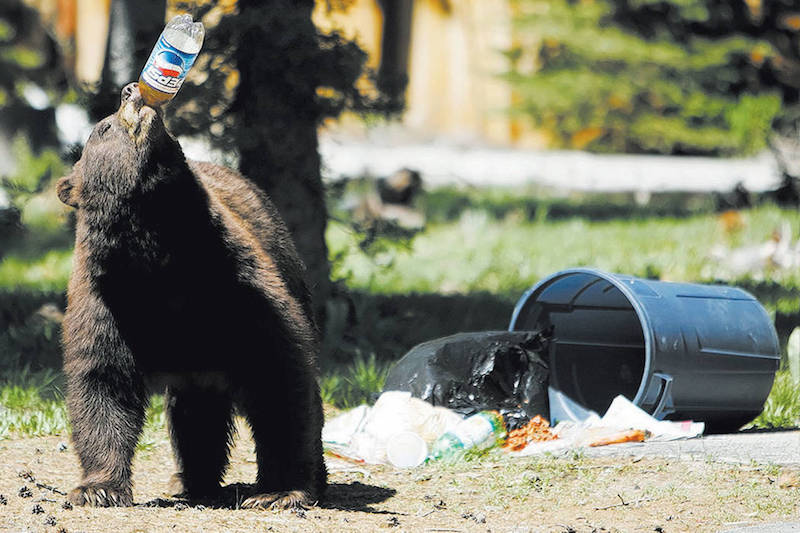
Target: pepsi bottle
170	60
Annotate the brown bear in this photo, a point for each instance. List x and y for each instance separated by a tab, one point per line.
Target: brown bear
184	271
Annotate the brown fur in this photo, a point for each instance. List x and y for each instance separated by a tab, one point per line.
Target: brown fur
185	271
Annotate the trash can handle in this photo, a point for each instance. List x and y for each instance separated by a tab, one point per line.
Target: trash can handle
664	405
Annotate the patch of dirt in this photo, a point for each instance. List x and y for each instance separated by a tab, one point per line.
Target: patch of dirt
494	493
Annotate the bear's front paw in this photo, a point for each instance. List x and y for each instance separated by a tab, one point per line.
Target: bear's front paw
292	499
101	495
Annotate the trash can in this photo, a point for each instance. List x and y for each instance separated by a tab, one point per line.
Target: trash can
679	351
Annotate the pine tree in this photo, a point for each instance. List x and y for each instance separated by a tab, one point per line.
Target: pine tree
654	76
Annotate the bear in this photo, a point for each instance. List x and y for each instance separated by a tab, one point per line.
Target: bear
184	273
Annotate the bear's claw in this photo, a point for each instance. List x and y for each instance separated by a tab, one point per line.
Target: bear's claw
292	499
100	496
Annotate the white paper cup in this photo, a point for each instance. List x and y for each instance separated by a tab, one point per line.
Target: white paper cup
406	450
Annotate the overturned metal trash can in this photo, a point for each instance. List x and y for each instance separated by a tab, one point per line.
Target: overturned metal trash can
677	350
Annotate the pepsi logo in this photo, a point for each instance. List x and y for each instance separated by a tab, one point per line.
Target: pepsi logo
169	64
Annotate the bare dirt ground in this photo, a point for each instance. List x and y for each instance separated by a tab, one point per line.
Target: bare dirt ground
490	494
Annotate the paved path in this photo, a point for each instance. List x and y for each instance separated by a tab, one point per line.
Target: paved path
779	448
443	163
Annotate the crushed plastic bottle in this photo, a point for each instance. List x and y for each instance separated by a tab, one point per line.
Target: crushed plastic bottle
481	430
170	60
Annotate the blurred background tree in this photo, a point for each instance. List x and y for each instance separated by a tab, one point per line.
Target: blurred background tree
31	78
264	82
655	76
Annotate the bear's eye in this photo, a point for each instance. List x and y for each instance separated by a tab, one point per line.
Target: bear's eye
102	129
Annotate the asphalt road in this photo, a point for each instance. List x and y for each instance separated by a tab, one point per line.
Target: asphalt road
765	447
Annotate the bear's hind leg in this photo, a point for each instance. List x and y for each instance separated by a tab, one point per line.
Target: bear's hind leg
201	430
291	469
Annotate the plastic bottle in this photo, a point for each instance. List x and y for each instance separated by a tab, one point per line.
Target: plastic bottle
170	60
480	430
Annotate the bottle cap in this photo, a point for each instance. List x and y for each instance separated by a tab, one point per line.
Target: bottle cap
406	450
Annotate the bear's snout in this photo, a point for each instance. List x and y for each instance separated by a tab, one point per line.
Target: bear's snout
131	92
135	116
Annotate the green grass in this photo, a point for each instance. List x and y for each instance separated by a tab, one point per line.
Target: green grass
155	423
359	383
32	404
782	408
480	253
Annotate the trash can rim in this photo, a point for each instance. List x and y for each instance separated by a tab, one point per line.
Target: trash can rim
644	320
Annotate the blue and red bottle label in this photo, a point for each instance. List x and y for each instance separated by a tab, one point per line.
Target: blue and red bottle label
166	68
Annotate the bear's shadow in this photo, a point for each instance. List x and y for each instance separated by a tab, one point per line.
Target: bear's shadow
353	496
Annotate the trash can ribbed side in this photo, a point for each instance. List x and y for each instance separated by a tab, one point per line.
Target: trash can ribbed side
678	350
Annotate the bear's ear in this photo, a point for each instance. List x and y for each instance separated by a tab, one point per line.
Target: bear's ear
66	190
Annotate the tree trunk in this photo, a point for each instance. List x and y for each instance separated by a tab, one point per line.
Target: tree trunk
277	118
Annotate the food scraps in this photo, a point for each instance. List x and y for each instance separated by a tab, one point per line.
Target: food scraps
537	430
631	435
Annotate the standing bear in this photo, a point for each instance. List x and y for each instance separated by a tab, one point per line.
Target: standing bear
184	272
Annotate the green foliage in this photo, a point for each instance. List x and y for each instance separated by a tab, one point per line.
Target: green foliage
155	423
36	222
34	173
593	83
782	409
31	403
359	383
49	271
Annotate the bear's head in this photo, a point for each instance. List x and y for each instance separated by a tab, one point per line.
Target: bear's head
125	154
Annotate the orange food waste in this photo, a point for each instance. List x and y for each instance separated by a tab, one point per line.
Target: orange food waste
537	430
633	435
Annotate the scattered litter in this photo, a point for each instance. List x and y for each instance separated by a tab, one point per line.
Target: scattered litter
631	435
483	430
405	432
565	409
624	414
406	450
623	422
779	252
482	371
537	430
362	434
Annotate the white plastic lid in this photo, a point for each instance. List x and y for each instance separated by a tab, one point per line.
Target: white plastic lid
406	450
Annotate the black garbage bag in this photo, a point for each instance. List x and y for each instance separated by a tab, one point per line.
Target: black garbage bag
469	372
